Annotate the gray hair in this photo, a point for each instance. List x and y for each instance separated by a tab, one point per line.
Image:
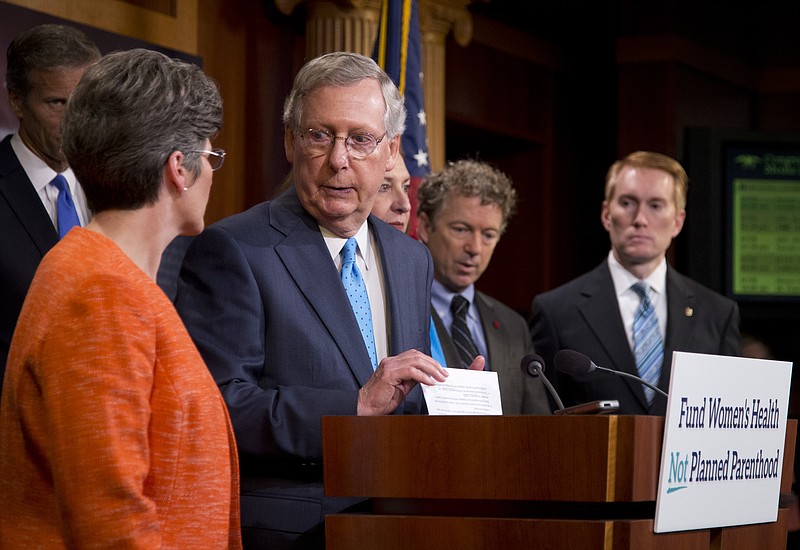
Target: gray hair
343	69
468	178
127	115
46	47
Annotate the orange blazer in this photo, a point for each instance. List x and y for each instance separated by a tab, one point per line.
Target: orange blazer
112	431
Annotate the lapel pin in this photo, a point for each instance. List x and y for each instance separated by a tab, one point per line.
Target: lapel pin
496	324
688	312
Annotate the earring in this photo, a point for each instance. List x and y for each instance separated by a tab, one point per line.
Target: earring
185	188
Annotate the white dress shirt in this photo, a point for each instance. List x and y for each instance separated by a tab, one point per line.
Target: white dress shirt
369	264
41	175
629	301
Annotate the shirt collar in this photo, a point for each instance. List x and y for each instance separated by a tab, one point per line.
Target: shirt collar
335	244
441	297
624	279
36	169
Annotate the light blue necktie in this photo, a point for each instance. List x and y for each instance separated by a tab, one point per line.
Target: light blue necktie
357	293
647	345
66	215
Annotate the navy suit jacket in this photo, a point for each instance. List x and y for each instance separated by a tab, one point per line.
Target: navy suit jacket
583	315
265	305
26	234
507	342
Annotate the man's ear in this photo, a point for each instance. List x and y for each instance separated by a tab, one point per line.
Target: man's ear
680	218
394	150
288	143
16	103
605	216
424	227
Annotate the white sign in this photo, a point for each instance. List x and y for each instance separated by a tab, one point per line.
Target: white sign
722	457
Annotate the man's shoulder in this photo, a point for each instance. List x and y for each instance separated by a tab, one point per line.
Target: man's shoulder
499	307
263	221
8	159
701	292
590	279
397	241
246	217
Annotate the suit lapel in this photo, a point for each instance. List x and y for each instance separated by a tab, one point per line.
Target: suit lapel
448	347
680	319
16	189
600	308
496	337
401	300
318	281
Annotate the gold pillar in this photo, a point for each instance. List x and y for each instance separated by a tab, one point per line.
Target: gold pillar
436	18
352	25
337	25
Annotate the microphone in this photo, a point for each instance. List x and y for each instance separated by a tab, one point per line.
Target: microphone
533	366
574	362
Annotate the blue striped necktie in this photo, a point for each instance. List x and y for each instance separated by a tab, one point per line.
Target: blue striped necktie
66	215
467	350
647	345
359	300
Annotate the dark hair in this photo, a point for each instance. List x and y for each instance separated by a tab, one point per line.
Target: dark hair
469	178
127	115
46	47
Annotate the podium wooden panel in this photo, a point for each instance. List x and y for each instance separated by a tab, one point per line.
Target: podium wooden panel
471	482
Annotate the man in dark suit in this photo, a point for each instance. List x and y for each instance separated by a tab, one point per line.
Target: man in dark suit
463	211
261	295
597	313
43	66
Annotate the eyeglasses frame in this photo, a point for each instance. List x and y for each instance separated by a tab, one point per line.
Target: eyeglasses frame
216	153
347	146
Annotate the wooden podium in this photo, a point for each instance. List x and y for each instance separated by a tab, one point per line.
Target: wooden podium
481	482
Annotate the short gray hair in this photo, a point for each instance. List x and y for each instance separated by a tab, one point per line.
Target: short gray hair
343	69
127	115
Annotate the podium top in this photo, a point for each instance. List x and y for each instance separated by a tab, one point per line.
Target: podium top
534	458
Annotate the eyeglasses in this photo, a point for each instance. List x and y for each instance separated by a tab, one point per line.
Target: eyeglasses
360	145
216	157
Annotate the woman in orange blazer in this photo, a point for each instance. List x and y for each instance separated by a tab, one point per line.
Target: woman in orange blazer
112	430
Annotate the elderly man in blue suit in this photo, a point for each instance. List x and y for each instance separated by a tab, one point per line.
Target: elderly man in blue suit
261	295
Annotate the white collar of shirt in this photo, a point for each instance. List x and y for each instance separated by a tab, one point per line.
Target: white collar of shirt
624	279
364	252
628	300
41	175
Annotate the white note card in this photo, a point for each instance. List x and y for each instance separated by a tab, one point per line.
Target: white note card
465	392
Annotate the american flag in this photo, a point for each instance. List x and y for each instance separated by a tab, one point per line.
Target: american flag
398	51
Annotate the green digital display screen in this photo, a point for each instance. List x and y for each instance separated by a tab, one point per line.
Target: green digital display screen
765	224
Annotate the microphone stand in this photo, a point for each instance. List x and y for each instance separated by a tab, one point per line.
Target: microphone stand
632	377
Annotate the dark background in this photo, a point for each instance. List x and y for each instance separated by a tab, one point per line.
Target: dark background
552	92
618	82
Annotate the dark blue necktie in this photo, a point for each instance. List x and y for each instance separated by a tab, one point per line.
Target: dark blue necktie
66	215
359	300
467	350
